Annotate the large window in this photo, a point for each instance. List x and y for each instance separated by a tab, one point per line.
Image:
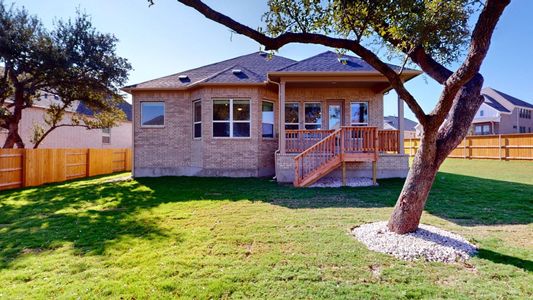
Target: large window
267	117
313	116
231	118
359	113
292	120
152	114
197	119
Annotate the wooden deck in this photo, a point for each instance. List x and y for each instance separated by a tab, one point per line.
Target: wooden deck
323	151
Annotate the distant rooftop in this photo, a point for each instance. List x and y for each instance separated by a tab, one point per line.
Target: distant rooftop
497	99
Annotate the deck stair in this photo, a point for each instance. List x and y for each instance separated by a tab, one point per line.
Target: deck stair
346	144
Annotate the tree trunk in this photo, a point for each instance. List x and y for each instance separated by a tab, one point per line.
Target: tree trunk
436	143
408	210
13	137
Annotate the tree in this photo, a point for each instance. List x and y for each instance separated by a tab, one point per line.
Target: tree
72	61
428	33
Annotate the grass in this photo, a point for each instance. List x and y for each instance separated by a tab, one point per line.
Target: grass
252	238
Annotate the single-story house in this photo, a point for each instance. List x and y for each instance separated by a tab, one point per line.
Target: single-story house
393	123
501	113
262	115
72	137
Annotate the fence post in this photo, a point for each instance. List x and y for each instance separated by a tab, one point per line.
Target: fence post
500	146
88	163
464	148
23	166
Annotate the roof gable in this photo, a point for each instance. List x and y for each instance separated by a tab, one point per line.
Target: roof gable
392	121
504	99
491	102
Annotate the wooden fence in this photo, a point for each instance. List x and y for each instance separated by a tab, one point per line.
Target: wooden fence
33	167
517	146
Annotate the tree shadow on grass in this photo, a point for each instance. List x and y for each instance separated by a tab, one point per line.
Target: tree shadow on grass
498	258
90	214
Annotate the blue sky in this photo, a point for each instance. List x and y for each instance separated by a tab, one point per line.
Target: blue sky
169	37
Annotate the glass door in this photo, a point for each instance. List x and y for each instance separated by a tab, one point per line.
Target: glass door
334	115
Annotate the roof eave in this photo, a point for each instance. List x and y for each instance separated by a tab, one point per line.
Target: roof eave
188	87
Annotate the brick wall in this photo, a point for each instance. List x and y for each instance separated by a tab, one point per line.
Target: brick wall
171	150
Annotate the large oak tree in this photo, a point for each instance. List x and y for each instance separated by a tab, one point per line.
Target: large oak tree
428	33
72	61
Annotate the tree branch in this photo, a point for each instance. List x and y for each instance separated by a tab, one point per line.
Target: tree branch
479	46
274	43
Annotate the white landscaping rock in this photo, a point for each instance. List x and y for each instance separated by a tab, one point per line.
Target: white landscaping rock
427	242
337	182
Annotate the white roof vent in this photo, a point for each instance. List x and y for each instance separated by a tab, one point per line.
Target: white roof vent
236	71
183	77
343	60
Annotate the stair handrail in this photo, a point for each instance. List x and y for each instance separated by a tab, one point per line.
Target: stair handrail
300	157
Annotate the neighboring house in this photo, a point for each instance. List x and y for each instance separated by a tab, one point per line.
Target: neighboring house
501	113
72	137
392	123
253	115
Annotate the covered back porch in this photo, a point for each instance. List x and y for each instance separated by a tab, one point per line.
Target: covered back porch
333	124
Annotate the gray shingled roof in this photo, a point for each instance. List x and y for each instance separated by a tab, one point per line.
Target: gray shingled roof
494	104
329	62
255	67
511	99
393	121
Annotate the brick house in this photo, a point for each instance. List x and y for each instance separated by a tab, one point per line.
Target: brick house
72	137
260	115
501	114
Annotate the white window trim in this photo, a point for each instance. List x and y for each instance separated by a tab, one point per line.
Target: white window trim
368	112
197	122
164	115
299	112
273	121
106	134
319	124
231	121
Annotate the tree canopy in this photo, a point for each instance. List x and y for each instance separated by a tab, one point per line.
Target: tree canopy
73	61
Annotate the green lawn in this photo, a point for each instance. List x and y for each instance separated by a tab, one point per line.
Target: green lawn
249	238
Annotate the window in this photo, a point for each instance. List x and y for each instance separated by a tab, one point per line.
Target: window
152	114
313	116
106	135
267	119
292	116
482	129
231	118
197	119
522	129
481	113
359	114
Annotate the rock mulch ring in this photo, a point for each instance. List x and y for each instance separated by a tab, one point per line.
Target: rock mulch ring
337	182
427	242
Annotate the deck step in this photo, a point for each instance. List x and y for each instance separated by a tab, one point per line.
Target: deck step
322	171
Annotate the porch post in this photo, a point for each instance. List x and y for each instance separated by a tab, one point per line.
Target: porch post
281	117
401	149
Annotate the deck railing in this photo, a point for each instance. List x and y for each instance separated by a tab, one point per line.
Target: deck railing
389	141
330	151
356	139
297	141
